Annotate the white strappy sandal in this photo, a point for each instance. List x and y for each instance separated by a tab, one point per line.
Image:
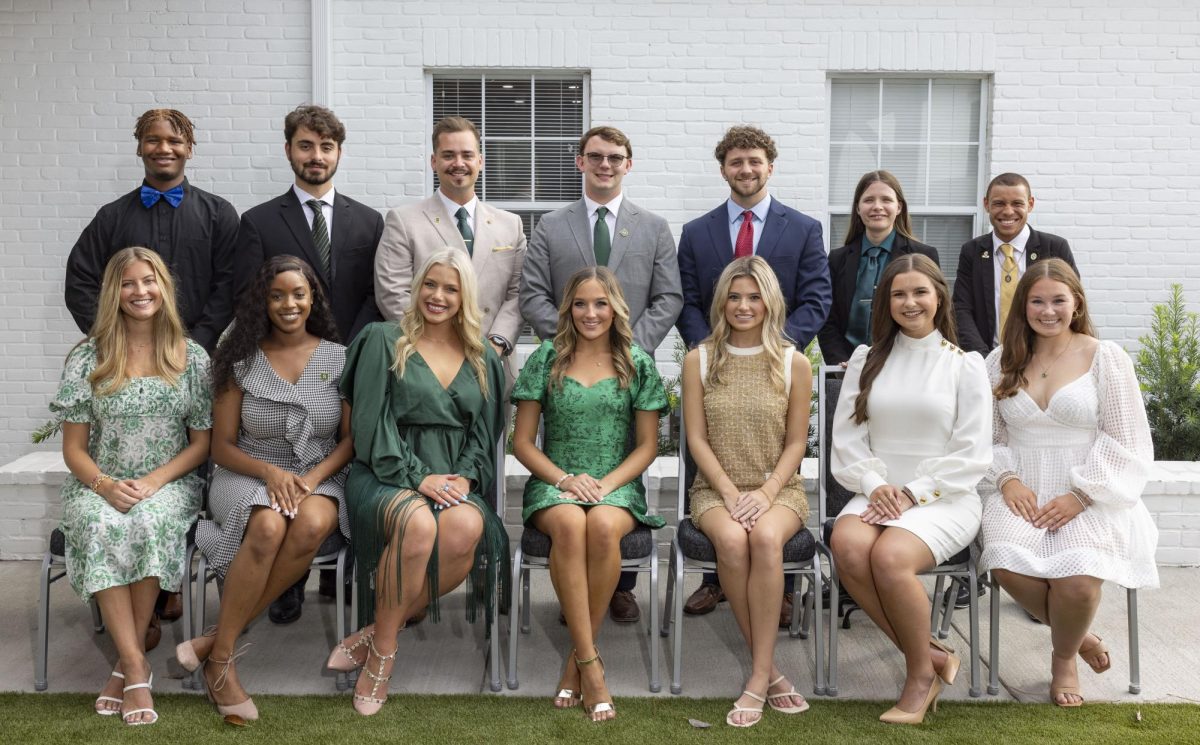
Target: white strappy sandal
125	716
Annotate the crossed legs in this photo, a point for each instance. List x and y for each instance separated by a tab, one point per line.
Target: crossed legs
879	567
1068	606
750	567
127	610
585	564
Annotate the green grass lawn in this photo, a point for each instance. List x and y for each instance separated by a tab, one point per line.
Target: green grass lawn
431	720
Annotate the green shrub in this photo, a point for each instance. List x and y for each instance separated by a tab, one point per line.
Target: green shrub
1168	368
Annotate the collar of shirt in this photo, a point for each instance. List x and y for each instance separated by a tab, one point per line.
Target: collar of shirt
614	206
304	196
886	244
1018	243
452	206
760	210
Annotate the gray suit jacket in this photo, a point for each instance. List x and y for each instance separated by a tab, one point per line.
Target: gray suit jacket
643	260
415	231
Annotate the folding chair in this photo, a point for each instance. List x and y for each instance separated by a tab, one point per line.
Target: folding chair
54	568
693	553
833	497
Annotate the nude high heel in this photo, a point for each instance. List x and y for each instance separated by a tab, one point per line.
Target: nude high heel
950	669
342	657
369	705
896	715
185	652
245	709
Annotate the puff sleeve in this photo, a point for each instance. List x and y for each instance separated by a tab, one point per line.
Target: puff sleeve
852	462
647	391
534	376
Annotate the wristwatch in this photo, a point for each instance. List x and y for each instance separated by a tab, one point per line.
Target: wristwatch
505	347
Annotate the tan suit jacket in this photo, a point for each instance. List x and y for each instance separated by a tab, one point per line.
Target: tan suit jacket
415	231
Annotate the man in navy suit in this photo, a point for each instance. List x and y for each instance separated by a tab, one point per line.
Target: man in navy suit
751	222
329	230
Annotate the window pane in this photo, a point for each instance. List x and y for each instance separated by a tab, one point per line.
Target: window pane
954	174
847	164
837	230
558	108
854	111
509	108
907	163
955	111
458	97
946	233
904	110
507	171
555	174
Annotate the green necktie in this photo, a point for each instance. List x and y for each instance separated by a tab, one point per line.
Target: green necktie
320	234
464	227
601	241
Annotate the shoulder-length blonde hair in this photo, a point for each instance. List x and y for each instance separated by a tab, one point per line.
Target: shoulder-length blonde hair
884	327
620	334
169	358
466	322
1018	338
774	339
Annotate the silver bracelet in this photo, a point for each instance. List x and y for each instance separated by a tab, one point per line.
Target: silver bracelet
1004	478
563	478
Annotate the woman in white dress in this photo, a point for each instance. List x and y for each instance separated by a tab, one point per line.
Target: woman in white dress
910	438
1071	454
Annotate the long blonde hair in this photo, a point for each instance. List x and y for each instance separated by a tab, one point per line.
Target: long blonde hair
620	335
1018	340
774	339
467	322
169	358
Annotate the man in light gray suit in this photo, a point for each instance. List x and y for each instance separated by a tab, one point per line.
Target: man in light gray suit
606	229
455	217
640	251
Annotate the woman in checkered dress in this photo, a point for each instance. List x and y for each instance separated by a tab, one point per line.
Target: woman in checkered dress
281	444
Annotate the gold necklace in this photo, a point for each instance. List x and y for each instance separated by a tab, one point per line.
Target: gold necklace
1046	369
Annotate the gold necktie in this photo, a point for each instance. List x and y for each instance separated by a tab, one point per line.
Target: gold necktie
1008	285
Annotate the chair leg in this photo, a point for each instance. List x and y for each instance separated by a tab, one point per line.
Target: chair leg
339	614
514	620
1135	663
494	663
937	599
677	611
186	592
831	681
201	600
97	618
994	638
668	601
819	654
41	652
526	610
976	689
943	631
655	673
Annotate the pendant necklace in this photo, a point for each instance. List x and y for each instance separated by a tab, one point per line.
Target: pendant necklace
1046	369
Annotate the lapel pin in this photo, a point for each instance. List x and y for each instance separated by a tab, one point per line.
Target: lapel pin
489	222
1033	257
325	376
985	255
623	232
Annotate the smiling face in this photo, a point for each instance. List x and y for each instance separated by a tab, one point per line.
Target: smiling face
457	162
440	295
913	304
877	208
1050	308
1008	208
164	153
314	158
745	309
747	172
141	297
591	310
289	302
602	180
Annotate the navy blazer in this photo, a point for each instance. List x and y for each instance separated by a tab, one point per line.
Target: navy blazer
279	227
843	267
975	285
790	243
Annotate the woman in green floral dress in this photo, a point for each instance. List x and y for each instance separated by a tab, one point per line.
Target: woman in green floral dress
136	413
592	386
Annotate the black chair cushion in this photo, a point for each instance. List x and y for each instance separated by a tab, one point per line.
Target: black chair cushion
637	543
58	543
332	544
962	557
696	546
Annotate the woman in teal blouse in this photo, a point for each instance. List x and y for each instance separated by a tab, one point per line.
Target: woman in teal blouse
592	386
426	399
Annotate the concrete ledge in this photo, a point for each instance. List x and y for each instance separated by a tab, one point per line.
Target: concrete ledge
30	508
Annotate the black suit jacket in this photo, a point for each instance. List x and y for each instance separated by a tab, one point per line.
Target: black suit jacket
843	268
975	285
279	227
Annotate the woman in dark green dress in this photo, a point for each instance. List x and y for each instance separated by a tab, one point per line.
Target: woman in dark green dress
426	399
592	386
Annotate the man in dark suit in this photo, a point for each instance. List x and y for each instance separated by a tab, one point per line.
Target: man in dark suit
333	233
989	264
751	222
339	243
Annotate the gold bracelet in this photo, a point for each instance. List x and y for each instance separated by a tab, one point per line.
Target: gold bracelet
97	482
776	477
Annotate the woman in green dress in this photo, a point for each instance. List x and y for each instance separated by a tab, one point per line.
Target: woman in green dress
592	386
426	412
136	414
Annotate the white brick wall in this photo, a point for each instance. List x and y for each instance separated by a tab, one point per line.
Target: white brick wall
1097	105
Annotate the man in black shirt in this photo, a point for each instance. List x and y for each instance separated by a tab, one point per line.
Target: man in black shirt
193	231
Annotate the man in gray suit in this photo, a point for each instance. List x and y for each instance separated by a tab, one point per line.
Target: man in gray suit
455	217
606	229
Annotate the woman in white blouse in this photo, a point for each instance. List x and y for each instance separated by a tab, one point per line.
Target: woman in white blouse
1071	454
910	438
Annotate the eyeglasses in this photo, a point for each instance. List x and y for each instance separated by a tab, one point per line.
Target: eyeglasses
597	158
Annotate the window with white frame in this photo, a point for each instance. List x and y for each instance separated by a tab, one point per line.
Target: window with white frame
529	124
928	131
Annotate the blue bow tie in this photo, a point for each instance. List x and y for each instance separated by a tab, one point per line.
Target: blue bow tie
150	195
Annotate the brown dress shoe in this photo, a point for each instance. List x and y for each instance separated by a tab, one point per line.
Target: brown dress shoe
785	611
703	600
172	607
153	633
623	607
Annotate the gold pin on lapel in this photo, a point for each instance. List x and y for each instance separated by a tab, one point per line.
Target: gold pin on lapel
437	219
624	232
985	255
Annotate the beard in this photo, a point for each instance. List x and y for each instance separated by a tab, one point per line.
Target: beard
314	178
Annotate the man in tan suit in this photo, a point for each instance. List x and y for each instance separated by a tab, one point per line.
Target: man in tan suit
454	217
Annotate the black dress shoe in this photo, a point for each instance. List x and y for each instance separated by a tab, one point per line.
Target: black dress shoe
287	607
623	607
963	598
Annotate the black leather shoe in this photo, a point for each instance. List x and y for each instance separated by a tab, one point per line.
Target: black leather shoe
623	607
703	600
327	585
963	599
287	607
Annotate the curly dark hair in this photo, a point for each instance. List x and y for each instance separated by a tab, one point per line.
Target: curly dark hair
745	138
251	324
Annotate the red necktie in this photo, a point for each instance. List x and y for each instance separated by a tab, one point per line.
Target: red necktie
745	237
